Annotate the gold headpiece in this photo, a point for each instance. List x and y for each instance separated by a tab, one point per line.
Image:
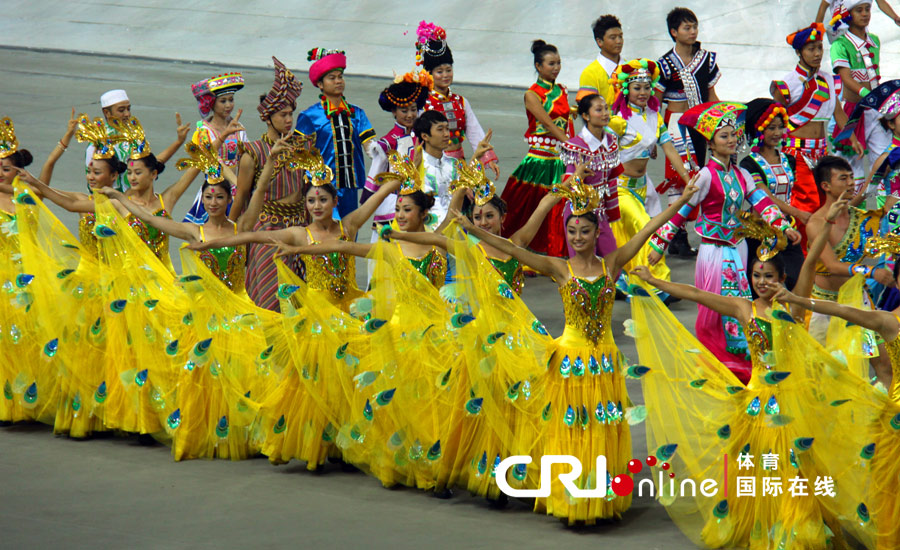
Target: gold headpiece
9	144
584	198
298	157
203	158
94	132
471	176
887	244
404	171
132	132
771	240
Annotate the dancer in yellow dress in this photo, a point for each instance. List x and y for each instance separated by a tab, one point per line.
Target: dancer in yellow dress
302	416
386	431
28	394
207	414
586	398
703	424
875	519
51	254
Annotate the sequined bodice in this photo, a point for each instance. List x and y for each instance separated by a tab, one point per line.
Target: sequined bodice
512	272
9	240
152	237
226	263
893	351
588	305
89	242
334	273
759	341
433	266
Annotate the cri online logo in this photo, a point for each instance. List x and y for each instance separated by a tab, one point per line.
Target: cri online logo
621	485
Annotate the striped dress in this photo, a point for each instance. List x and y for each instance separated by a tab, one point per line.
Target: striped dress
262	279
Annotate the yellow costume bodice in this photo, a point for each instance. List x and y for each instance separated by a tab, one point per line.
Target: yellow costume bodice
588	304
510	269
226	263
893	351
432	265
333	273
86	236
152	237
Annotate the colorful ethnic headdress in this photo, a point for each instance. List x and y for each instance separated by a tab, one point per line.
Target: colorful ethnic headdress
284	93
636	70
207	90
203	158
324	61
842	18
431	47
94	132
131	131
708	117
300	158
760	114
584	198
9	143
802	37
471	176
404	170
411	88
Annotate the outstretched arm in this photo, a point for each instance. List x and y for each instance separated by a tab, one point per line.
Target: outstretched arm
73	202
882	322
57	152
554	267
420	237
526	233
185	231
343	247
621	256
731	306
292	236
456	202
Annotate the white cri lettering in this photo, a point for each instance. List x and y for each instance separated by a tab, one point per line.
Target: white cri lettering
567	479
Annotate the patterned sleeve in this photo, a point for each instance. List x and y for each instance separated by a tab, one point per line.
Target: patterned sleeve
665	77
662	131
840	55
714	73
756	173
783	88
363	127
664	235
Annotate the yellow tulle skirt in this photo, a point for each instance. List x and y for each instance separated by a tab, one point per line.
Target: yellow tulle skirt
633	218
585	418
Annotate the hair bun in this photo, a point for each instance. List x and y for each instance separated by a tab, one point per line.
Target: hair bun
26	157
538	46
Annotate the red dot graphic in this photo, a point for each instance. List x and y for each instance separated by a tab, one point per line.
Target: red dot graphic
634	466
651	461
665	466
672	475
622	485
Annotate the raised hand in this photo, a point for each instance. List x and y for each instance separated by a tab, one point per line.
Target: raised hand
28	177
462	220
234	125
484	146
182	130
689	190
110	192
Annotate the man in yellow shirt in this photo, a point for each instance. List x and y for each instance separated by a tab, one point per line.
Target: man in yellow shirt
595	77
